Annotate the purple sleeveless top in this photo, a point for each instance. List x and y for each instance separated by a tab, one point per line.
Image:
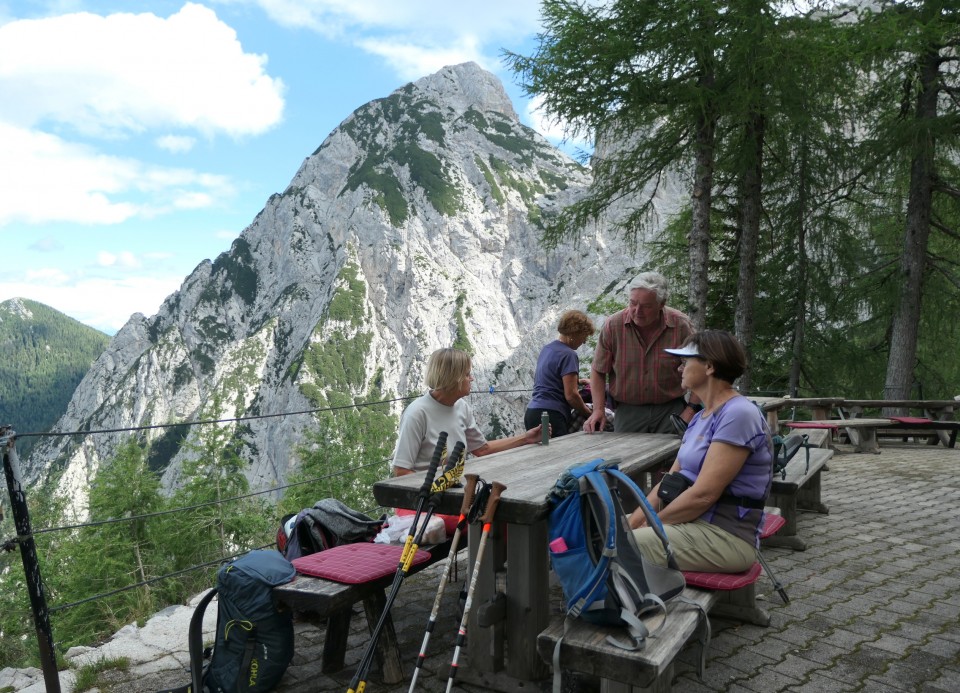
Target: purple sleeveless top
737	422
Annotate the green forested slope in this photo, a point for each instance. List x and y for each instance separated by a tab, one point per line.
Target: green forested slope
43	356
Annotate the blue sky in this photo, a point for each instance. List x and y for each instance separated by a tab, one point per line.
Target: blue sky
139	138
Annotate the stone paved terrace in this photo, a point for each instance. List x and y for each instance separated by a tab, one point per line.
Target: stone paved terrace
875	599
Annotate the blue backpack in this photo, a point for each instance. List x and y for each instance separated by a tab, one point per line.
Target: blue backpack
605	578
254	642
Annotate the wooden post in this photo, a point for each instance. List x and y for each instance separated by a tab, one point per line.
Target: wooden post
28	554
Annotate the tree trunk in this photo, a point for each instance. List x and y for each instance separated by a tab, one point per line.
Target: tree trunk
700	228
750	210
906	320
800	313
702	195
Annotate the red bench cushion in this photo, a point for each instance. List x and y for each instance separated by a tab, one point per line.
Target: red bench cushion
355	564
771	525
910	419
723	581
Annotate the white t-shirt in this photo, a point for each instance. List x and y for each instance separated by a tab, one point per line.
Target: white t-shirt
420	428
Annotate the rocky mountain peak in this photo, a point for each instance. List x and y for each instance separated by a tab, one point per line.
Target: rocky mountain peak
465	86
416	224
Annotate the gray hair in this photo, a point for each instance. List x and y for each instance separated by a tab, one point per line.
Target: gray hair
651	281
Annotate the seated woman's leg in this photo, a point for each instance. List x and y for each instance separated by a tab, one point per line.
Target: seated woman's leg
698	546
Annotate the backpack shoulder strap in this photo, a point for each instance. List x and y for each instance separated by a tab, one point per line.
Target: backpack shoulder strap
653	520
195	641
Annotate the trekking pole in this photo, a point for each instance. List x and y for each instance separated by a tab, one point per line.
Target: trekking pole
487	521
468	494
358	682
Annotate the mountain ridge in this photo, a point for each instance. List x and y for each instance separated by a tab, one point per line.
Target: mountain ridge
45	355
414	225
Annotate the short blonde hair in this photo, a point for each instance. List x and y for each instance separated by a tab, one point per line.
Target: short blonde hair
446	369
574	323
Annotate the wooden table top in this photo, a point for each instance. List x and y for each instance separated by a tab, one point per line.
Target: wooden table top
529	472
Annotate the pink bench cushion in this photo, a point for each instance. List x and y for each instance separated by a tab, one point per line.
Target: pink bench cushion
723	581
910	419
355	564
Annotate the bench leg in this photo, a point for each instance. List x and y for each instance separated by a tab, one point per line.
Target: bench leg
808	497
387	652
335	642
787	537
741	605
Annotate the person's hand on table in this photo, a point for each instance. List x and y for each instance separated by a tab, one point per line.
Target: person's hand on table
595	422
533	436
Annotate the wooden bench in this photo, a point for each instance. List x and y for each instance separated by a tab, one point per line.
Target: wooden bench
318	600
800	490
921	427
936	422
728	596
817	437
584	647
861	432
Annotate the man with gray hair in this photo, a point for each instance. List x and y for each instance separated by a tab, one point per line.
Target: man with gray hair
630	362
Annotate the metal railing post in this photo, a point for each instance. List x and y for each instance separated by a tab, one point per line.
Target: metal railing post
31	565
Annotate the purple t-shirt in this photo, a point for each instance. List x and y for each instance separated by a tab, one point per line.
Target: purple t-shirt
555	361
737	422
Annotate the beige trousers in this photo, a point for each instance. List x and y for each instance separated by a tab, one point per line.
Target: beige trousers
698	545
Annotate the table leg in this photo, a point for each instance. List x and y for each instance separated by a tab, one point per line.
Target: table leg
866	440
484	645
528	601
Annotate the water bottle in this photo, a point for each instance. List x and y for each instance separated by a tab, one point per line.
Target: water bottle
545	428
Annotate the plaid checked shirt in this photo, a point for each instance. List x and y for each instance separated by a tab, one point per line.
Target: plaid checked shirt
639	373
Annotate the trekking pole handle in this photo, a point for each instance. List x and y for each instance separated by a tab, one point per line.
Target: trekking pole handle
492	502
434	464
469	492
454	457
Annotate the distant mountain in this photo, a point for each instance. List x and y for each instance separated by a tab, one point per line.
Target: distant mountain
43	356
416	224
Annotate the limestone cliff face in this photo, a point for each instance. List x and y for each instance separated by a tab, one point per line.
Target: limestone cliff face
414	225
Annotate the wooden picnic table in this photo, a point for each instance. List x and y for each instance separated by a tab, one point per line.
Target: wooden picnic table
512	598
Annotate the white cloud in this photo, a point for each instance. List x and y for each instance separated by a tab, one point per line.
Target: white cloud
177	144
125	73
46	179
415	37
47	244
431	17
125	259
100	302
113	76
412	61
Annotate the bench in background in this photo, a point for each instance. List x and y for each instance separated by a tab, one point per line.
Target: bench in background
861	432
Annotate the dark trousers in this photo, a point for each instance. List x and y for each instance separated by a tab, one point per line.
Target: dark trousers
559	425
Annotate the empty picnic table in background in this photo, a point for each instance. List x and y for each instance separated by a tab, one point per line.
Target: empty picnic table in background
513	588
